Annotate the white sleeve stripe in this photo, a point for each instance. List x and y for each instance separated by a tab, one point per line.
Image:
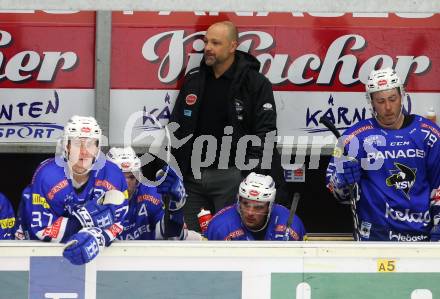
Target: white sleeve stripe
62	230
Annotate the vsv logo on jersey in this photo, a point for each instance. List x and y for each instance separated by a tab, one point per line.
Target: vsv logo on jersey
402	178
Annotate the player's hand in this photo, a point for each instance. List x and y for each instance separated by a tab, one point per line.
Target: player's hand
100	213
173	186
350	174
435	230
84	246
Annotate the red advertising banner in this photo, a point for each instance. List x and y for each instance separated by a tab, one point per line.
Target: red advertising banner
47	50
317	64
298	52
47	62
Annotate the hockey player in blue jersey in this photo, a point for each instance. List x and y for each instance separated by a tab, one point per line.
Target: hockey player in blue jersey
26	199
145	217
79	197
255	216
7	219
390	162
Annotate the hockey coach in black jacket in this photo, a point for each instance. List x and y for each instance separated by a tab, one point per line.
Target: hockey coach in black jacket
228	107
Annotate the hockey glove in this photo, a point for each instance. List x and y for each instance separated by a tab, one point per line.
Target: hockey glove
84	246
172	185
350	174
101	213
435	233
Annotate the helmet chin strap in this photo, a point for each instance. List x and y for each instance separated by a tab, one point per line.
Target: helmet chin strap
263	227
75	183
72	172
66	156
265	223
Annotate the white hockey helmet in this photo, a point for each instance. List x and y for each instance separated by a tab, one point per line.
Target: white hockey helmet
81	127
125	158
258	187
383	79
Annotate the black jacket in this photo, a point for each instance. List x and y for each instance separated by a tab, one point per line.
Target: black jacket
251	107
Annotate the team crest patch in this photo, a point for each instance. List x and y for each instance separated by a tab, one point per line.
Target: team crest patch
402	178
267	106
191	99
187	112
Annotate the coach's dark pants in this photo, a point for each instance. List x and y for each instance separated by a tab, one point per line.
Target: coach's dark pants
216	189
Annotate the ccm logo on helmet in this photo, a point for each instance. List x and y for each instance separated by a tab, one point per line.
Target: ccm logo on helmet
85	129
254	193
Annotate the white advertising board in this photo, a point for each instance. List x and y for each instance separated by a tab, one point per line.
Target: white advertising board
248	270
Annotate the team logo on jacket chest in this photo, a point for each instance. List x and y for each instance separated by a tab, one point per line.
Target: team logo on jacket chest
239	108
191	99
402	178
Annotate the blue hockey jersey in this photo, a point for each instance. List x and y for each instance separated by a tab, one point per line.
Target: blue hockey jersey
144	220
47	215
400	177
7	219
227	225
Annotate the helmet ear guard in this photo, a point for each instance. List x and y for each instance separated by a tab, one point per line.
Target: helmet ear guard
125	158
